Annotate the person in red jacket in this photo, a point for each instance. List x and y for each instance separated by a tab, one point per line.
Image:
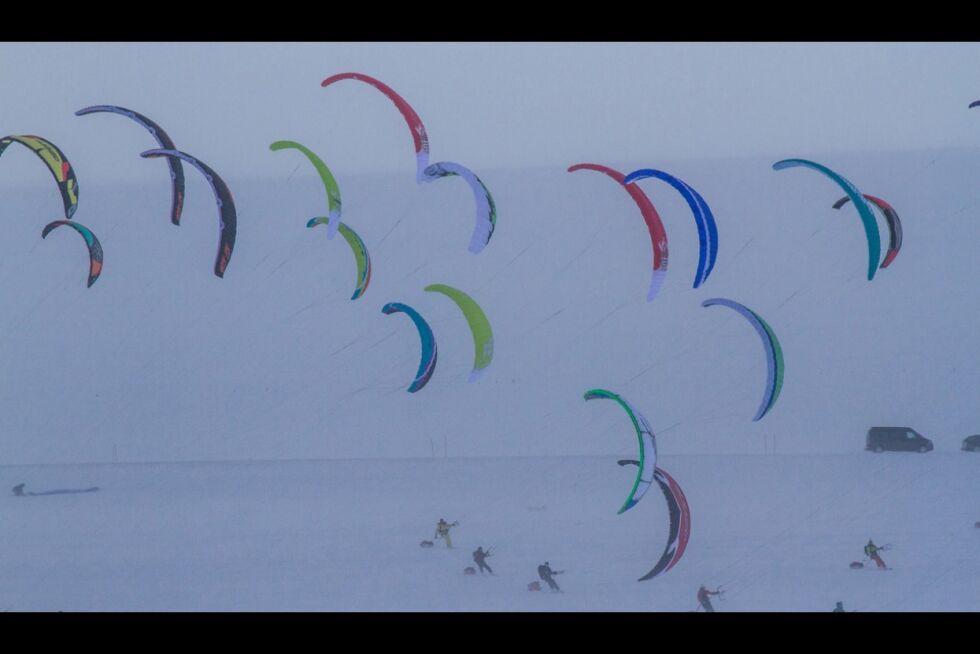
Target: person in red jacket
703	594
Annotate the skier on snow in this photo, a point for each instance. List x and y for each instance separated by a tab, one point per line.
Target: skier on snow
546	574
871	551
19	490
703	594
442	531
481	559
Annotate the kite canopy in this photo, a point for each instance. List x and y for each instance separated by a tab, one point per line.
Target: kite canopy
94	247
479	326
361	256
427	361
658	235
486	210
774	353
648	446
329	183
680	524
867	218
56	162
703	219
894	225
227	217
415	126
166	143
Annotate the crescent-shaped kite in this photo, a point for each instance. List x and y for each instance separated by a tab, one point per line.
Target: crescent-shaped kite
361	256
56	162
166	143
415	126
679	530
658	235
94	247
486	209
894	225
430	354
648	446
867	218
703	218
774	353
479	326
680	524
227	216
329	183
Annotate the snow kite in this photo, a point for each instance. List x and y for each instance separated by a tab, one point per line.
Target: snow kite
867	218
486	210
415	125
975	103
228	218
894	225
680	521
658	235
329	183
774	353
703	219
648	446
56	162
680	524
427	362
94	247
166	143
361	256
479	326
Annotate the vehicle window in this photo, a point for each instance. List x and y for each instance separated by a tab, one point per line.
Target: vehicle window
910	434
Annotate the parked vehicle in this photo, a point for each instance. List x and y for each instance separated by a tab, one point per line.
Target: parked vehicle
896	439
971	443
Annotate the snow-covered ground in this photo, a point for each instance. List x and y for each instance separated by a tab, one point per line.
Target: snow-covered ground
777	532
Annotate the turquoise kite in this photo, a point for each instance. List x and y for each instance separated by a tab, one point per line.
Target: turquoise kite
864	211
329	183
427	362
648	446
479	326
774	353
94	247
357	246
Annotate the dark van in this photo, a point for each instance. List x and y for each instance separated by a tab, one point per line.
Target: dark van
971	443
896	439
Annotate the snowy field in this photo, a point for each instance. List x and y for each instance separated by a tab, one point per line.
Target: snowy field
776	532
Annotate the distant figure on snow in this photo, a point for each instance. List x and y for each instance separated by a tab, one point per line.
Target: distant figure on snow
703	594
442	531
481	559
871	551
839	608
547	574
19	490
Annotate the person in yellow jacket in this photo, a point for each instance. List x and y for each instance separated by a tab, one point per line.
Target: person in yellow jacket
442	531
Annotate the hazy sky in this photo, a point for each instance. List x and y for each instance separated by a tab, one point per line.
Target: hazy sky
495	104
166	361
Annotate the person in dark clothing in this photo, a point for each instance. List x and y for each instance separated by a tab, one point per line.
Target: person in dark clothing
703	594
19	490
839	608
546	574
481	559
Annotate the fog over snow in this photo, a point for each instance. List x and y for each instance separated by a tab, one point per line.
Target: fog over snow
167	374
